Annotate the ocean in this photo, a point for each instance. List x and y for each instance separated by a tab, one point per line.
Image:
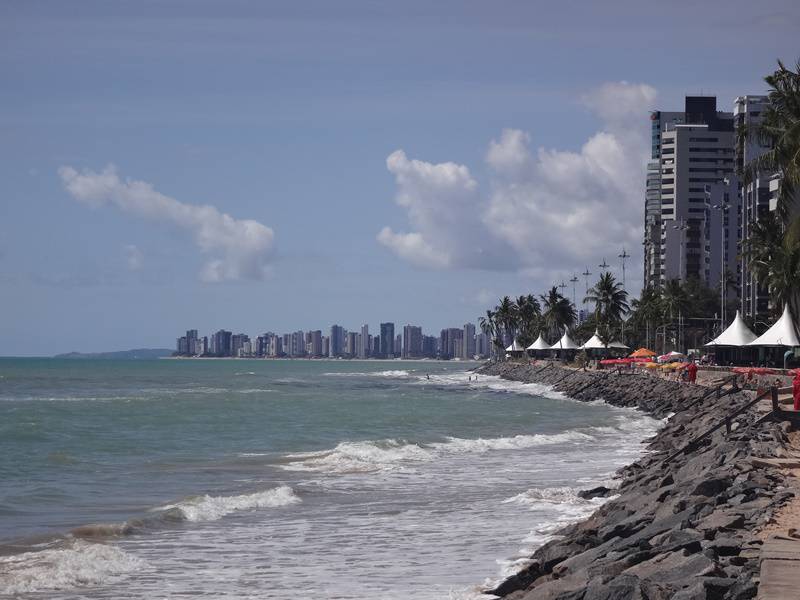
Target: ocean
288	479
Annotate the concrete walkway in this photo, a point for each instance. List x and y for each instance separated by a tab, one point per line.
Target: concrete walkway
780	569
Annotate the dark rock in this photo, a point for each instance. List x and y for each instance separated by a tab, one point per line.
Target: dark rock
711	487
726	546
520	581
598	492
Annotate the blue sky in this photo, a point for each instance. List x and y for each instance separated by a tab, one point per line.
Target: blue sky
390	161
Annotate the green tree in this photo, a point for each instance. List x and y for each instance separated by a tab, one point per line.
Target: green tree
506	317
529	317
779	130
489	327
647	312
610	299
558	313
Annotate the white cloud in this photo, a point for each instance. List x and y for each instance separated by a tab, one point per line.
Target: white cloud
135	257
547	211
440	200
237	248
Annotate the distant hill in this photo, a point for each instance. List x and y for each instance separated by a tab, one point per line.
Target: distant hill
137	354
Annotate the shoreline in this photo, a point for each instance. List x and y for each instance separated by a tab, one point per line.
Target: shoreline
687	528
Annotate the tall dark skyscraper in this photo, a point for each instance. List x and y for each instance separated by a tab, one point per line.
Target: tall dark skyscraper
387	340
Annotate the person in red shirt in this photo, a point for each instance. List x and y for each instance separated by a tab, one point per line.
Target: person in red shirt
692	371
796	390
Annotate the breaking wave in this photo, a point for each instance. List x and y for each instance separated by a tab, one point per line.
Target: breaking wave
76	564
212	508
394	373
388	455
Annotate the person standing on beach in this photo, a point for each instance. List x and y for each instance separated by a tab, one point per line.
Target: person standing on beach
796	390
692	371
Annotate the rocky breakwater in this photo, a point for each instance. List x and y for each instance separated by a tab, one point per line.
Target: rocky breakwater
682	529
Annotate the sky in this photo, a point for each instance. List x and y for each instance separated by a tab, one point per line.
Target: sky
274	166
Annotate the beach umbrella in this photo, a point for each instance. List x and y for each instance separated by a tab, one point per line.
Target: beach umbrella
643	353
671	357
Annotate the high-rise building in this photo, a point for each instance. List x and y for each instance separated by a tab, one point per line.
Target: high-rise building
351	345
450	343
337	339
376	345
468	347
315	345
221	343
297	344
412	342
429	346
398	346
482	345
237	344
694	149
365	349
755	200
387	340
326	345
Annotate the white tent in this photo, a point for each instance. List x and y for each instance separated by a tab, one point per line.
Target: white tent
565	343
539	344
782	333
594	343
737	334
515	347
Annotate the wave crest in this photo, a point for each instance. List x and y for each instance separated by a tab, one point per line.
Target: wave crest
389	455
212	508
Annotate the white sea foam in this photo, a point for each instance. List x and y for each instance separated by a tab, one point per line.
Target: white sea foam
392	373
491	382
389	455
536	496
245	373
78	564
212	508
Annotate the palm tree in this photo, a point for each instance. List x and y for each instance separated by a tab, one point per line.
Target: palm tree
779	130
529	314
558	313
647	310
772	254
674	298
610	300
676	302
489	327
506	317
783	277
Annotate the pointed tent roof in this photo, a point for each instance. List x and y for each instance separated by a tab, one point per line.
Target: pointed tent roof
737	334
539	344
782	333
565	343
515	347
594	343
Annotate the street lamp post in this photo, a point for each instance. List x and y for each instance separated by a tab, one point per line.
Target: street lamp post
682	228
681	278
723	208
573	281
623	256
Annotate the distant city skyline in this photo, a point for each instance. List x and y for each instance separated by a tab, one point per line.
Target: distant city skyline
171	164
464	343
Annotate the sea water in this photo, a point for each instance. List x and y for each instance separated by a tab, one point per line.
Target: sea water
277	479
